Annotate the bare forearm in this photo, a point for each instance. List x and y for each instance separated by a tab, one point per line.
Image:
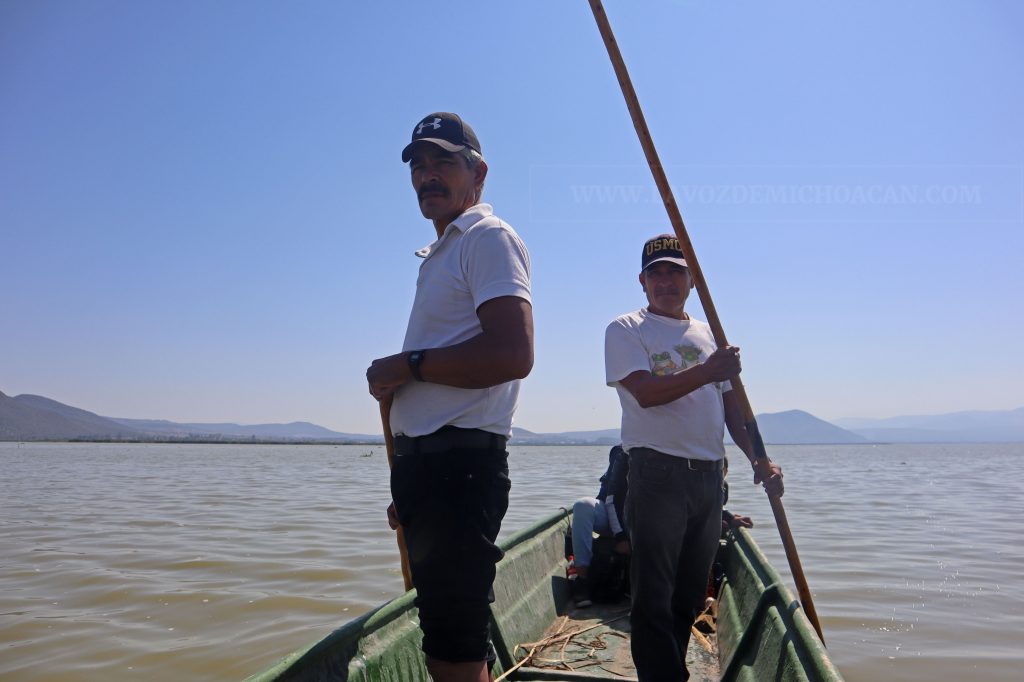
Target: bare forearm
479	362
739	435
734	421
764	469
502	351
651	391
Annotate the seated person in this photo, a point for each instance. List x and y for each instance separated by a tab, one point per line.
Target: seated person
602	515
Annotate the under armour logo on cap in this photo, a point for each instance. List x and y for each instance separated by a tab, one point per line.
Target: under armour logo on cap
435	124
444	129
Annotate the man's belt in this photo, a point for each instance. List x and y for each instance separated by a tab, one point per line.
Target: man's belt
449	438
691	464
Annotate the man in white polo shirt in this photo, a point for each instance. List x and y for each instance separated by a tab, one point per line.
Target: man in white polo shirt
455	387
673	385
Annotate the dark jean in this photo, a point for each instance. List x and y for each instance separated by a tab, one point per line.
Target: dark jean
450	505
674	516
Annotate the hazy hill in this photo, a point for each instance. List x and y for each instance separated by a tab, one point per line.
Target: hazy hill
797	427
977	426
792	427
297	430
33	417
600	437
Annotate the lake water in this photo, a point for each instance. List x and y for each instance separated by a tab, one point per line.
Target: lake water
210	562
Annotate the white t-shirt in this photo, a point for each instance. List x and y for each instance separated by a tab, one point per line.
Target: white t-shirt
479	257
692	426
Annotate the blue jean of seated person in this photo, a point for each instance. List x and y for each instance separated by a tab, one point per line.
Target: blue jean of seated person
589	516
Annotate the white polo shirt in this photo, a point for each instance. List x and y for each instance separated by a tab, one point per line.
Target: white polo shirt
479	257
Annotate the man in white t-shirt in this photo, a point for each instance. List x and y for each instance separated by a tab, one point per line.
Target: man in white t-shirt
455	387
673	385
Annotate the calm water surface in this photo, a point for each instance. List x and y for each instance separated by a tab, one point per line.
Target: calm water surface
160	562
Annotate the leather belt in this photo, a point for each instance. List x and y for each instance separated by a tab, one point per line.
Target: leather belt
691	464
449	438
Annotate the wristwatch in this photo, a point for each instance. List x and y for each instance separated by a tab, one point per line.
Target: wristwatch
415	359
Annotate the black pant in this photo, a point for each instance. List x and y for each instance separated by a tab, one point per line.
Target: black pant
450	505
674	516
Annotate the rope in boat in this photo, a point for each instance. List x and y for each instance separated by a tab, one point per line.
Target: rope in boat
703	626
558	637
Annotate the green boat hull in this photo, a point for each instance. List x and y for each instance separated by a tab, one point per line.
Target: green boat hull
762	632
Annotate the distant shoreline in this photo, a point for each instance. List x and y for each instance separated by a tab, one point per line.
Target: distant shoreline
27	417
250	441
198	441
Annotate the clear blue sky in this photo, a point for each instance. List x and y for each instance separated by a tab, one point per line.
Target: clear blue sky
204	217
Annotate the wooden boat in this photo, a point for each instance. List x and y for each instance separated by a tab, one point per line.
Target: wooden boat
760	632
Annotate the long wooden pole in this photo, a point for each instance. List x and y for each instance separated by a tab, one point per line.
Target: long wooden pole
389	445
661	180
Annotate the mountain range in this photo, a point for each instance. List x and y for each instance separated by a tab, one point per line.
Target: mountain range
955	427
33	417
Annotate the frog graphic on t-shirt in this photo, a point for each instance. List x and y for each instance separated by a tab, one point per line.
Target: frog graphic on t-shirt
663	365
691	355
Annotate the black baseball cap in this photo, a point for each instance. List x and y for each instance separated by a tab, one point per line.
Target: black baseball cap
664	247
448	131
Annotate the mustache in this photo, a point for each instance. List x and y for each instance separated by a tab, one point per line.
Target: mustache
434	188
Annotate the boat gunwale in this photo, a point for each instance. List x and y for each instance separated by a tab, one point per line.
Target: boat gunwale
774	600
811	651
390	610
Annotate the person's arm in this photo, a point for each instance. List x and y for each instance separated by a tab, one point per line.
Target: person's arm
616	486
770	474
651	391
618	472
613	516
730	520
393	516
501	352
734	422
619	533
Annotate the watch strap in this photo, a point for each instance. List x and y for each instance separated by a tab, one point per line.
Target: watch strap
415	358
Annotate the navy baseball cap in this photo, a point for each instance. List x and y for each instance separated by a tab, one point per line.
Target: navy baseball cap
446	130
664	247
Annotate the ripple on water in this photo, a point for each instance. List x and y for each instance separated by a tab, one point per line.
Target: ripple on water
211	562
